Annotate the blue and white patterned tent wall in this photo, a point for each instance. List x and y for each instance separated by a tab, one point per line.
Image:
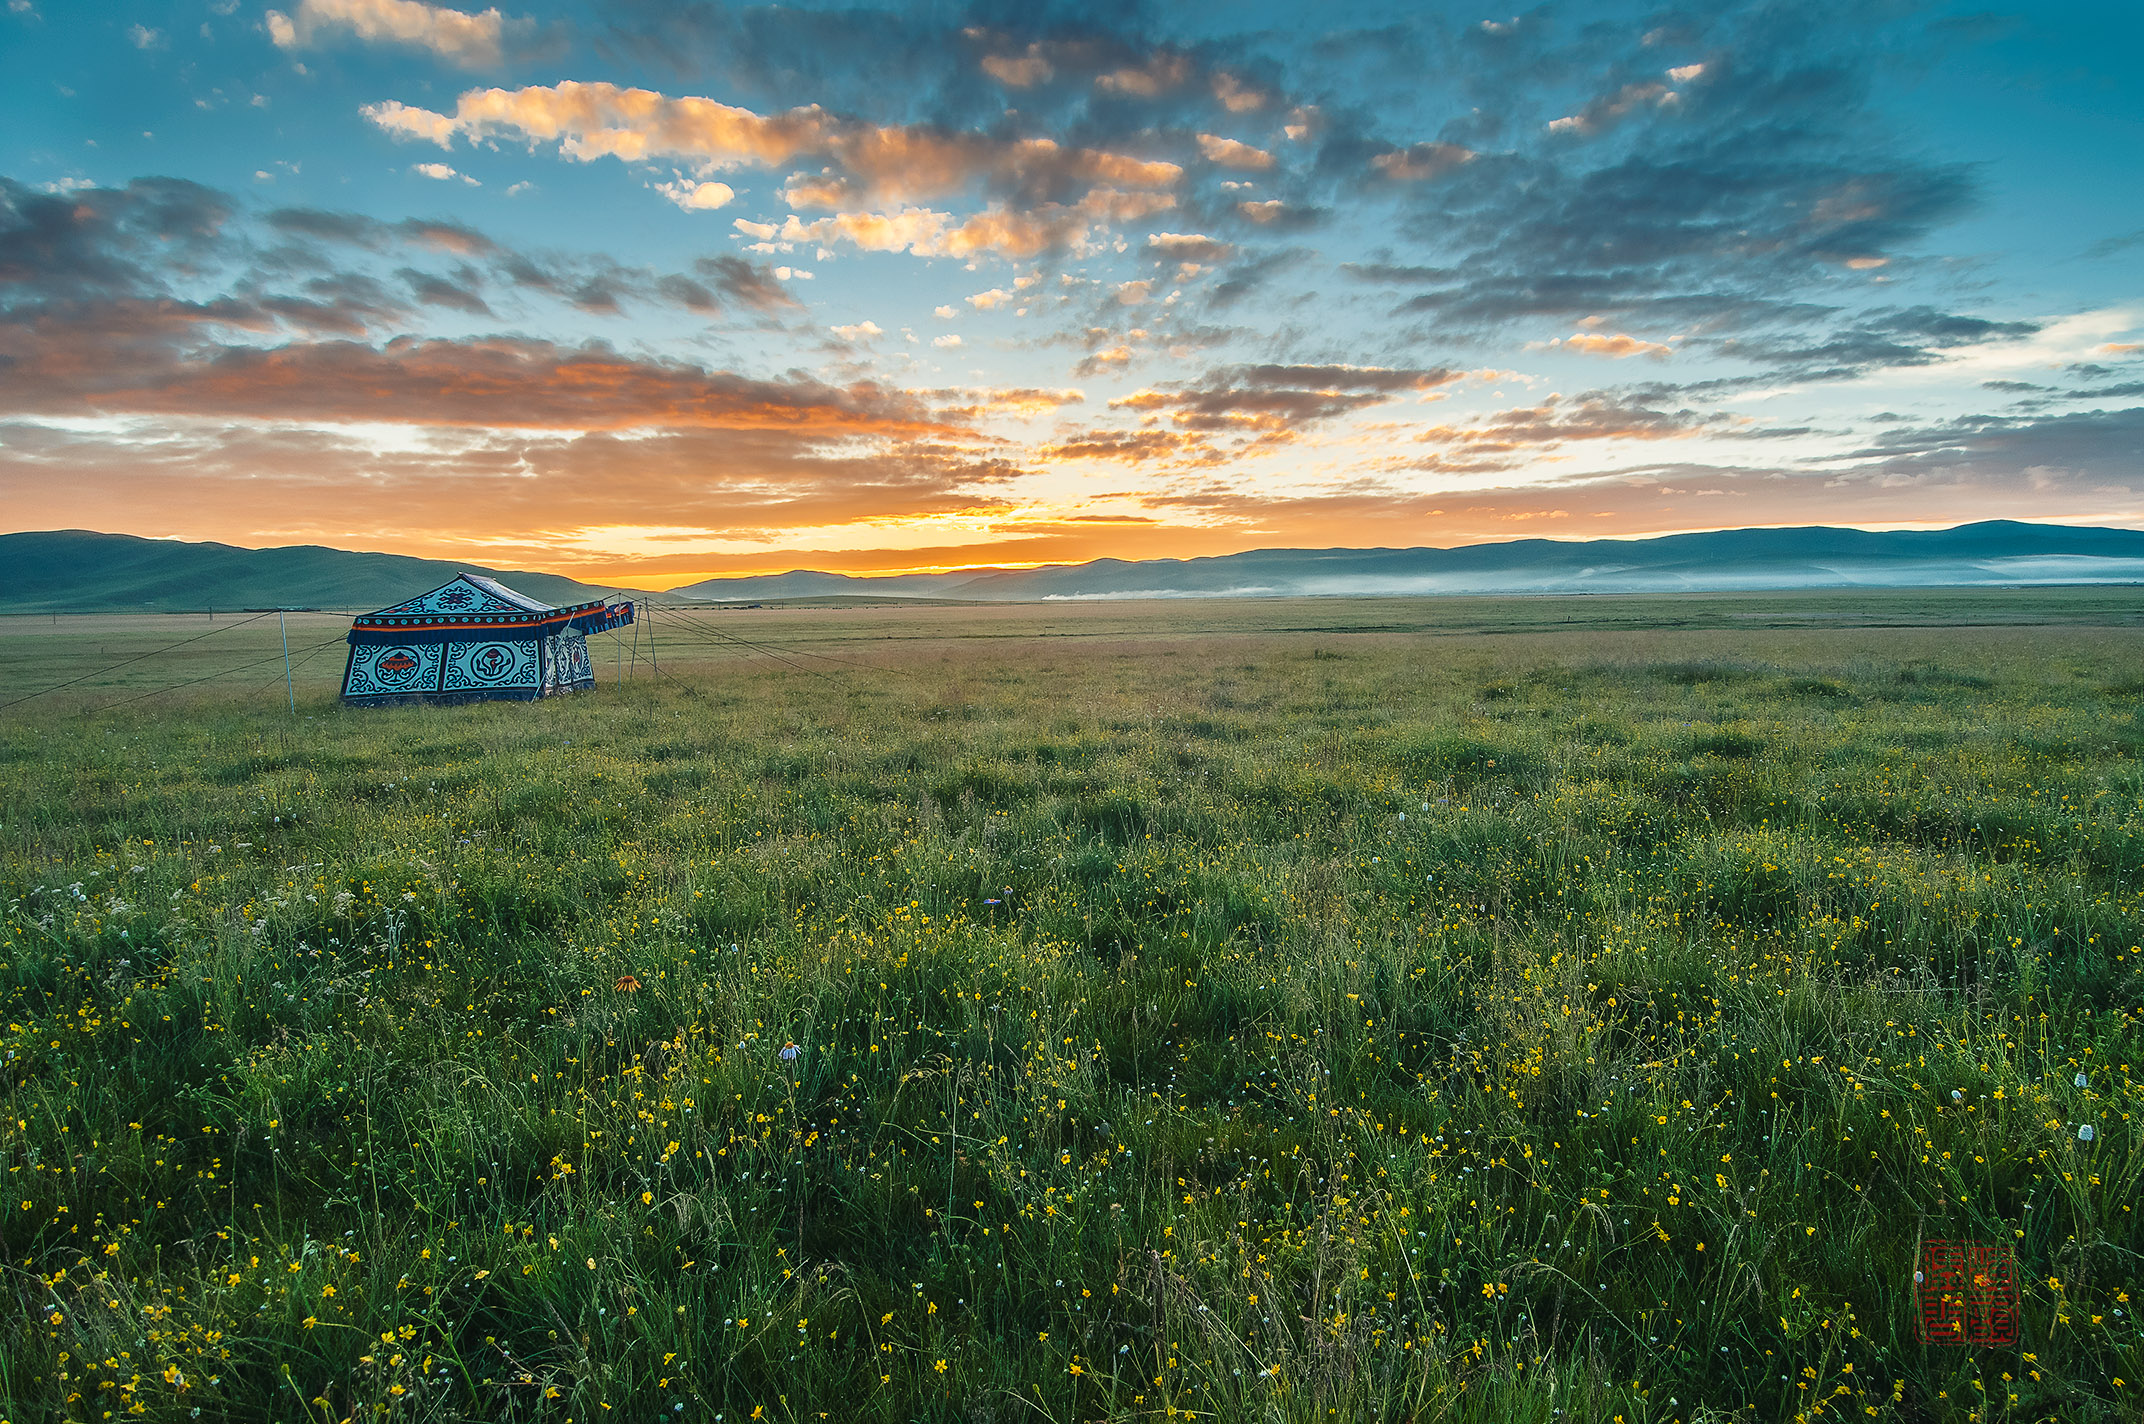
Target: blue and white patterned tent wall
473	639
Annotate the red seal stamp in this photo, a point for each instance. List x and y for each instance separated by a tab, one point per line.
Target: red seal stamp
1967	1293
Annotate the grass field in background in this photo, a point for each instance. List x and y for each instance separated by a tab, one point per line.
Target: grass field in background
1406	1009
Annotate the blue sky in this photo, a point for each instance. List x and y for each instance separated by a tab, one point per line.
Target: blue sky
659	291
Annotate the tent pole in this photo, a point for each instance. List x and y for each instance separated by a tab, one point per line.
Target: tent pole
652	663
290	689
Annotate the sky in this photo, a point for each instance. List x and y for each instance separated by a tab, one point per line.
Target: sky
652	292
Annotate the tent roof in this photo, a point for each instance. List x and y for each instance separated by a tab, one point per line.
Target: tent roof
466	596
499	590
472	601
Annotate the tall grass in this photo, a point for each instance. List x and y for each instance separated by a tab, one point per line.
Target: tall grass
1276	1028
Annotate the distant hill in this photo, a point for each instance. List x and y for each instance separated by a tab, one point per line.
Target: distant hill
76	571
1997	553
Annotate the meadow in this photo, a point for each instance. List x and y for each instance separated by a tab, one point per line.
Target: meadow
1405	1010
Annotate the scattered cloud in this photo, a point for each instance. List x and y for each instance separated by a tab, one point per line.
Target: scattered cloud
697	197
1420	161
1231	154
442	173
472	41
1275	398
1188	247
1237	95
882	162
1020	71
997	230
1599	343
1157	75
1610	109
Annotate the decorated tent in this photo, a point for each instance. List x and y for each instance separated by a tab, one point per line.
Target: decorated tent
472	639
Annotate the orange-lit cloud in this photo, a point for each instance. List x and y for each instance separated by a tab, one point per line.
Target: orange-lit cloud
1156	75
1229	153
1601	343
998	230
888	163
475	41
1420	161
120	366
1020	71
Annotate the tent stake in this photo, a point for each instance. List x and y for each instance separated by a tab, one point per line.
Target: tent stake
289	689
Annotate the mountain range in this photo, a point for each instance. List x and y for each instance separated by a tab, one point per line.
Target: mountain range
1998	553
79	571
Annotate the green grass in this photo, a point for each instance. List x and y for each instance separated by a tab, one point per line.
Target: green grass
1279	1023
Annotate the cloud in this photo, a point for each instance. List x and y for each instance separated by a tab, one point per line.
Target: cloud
1131	447
441	172
1609	109
1558	420
472	41
1887	337
697	197
101	277
1231	154
1020	71
804	190
860	331
1187	247
136	360
107	242
995	297
1238	96
886	162
1274	398
405	122
1156	75
209	479
2111	246
973	403
2081	448
946	342
997	230
1420	161
436	291
1712	231
1597	343
1109	358
361	231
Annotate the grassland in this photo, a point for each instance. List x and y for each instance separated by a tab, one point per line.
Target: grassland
1406	1010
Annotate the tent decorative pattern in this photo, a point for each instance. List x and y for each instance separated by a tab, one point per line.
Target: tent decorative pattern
472	639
